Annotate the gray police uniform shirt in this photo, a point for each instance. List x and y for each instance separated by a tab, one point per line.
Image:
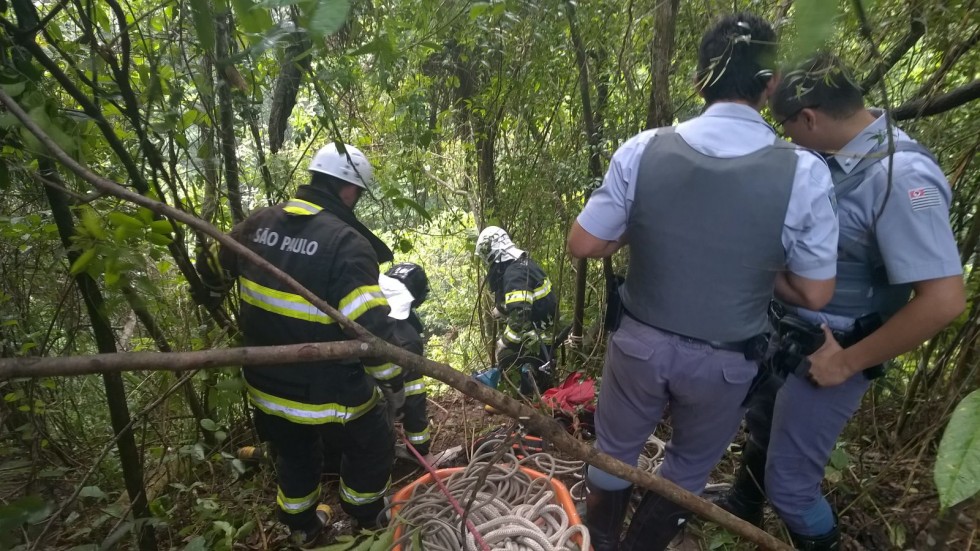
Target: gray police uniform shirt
727	130
913	230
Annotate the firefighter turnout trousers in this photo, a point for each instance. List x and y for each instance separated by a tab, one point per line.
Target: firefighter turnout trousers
365	465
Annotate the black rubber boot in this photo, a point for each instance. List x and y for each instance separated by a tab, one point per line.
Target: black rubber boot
825	542
605	511
746	497
655	523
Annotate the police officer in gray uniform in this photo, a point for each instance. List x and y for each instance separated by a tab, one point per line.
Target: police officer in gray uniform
895	242
716	212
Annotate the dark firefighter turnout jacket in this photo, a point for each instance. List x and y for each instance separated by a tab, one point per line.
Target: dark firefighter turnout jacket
318	241
522	292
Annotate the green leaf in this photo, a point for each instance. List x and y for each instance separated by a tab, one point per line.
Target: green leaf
381	46
92	224
158	239
197	544
82	262
24	510
120	220
203	23
14	89
839	459
405	202
478	9
163	227
93	492
814	20
325	17
209	425
957	472
251	18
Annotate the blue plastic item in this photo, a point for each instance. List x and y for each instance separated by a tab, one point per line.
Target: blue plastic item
489	377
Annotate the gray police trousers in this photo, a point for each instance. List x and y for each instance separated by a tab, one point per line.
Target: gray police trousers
648	370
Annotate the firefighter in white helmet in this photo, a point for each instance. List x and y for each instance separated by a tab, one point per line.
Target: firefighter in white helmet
315	238
523	298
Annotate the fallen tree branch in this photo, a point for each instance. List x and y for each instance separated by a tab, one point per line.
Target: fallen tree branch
926	107
371	346
252	356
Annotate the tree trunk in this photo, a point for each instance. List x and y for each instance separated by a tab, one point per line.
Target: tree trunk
129	456
226	114
660	110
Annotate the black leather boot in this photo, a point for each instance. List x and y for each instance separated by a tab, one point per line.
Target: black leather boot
655	523
746	498
824	542
605	511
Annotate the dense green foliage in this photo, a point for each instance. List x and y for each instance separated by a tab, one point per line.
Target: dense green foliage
472	112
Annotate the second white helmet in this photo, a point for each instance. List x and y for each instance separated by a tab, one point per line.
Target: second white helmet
494	245
351	167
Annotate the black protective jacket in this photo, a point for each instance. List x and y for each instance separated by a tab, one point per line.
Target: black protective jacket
522	292
317	240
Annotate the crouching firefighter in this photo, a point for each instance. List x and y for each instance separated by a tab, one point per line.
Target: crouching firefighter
523	299
895	244
406	287
315	238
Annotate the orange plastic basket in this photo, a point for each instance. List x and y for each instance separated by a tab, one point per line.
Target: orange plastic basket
562	496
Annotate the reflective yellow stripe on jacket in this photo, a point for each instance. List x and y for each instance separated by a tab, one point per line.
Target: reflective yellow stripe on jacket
308	414
291	305
301	207
529	296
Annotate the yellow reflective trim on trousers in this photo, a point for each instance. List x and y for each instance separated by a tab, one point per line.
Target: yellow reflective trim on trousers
294	505
308	414
361	300
414	387
384	371
512	336
280	302
418	437
301	207
518	296
361	498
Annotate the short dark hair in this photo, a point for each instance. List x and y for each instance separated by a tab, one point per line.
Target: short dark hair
736	58
822	82
328	183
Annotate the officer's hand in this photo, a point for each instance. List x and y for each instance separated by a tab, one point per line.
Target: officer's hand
496	313
827	365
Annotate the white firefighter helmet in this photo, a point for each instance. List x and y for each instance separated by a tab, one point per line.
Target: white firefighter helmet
352	166
494	245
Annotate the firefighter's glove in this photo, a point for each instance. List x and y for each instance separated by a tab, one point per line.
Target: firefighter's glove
395	400
496	313
502	347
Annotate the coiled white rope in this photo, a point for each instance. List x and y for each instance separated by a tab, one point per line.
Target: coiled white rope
511	511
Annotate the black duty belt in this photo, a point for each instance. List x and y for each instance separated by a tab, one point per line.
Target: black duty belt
798	338
752	348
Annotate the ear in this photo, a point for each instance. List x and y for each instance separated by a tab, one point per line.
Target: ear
810	118
773	83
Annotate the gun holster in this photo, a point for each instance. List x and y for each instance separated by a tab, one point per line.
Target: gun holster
797	338
614	303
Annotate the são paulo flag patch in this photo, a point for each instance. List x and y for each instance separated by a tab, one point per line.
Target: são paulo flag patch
924	197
